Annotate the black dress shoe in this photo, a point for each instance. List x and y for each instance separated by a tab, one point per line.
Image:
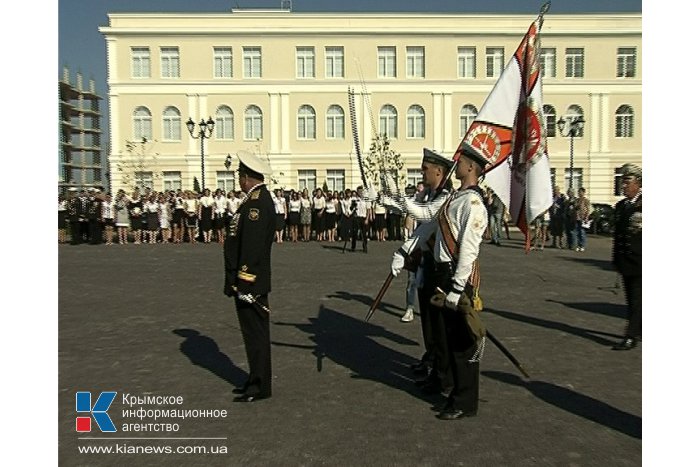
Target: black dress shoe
248	398
454	414
627	343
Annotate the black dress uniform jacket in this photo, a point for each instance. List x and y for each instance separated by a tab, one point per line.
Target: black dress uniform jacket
627	244
247	249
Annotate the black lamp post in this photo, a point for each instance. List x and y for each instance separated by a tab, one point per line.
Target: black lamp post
206	129
575	124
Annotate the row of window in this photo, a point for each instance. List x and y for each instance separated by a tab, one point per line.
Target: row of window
386	62
335	122
335	179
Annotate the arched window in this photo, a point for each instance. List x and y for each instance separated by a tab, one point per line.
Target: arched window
624	122
467	115
388	121
171	124
224	123
253	123
335	122
142	123
306	122
572	112
550	120
415	122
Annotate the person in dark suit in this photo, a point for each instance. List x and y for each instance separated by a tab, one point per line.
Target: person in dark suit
248	274
627	251
74	213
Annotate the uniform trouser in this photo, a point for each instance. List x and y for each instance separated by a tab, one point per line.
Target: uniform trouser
95	231
255	328
462	347
434	330
358	224
75	237
633	293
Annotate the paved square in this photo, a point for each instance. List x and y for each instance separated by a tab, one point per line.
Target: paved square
151	320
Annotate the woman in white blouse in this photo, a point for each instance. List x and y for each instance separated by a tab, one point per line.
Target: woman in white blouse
294	215
191	207
108	219
220	205
305	216
281	215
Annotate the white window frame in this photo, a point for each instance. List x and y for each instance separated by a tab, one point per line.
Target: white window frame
415	62
386	62
494	61
172	180
169	62
143	179
335	122
389	121
306	123
466	62
467	115
142	123
548	62
306	62
306	178
624	122
414	177
574	62
223	123
253	123
335	179
626	62
226	180
335	62
140	62
252	62
172	123
415	122
578	178
550	120
223	62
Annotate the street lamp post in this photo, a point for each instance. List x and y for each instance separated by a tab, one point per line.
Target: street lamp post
575	123
206	129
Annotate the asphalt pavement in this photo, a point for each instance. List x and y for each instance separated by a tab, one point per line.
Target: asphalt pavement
150	322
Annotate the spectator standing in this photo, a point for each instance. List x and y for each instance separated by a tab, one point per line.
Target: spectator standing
108	219
305	216
121	209
556	218
627	251
62	217
583	213
205	214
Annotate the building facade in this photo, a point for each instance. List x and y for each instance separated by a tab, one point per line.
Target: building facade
80	162
275	82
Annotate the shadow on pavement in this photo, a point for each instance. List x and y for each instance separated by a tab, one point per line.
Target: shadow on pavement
590	334
576	403
605	265
204	352
602	308
350	342
366	300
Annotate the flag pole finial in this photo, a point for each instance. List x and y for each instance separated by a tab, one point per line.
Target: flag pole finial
543	9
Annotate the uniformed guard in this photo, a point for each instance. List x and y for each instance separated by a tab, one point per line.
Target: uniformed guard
248	273
627	251
459	225
435	360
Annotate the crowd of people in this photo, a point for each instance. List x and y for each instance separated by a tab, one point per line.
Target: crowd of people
178	216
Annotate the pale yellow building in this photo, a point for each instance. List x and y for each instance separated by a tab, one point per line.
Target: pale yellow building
275	82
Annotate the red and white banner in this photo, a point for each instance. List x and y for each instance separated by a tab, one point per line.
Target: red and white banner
511	133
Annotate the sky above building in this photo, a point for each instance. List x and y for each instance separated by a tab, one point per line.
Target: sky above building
82	48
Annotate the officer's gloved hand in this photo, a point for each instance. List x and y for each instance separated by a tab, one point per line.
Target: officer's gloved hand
452	299
397	263
246	297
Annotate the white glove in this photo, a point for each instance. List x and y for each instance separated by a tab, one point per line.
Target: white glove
246	297
451	300
397	263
